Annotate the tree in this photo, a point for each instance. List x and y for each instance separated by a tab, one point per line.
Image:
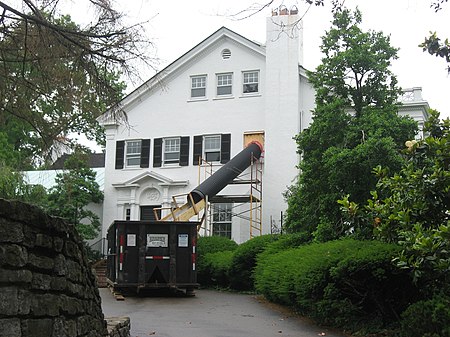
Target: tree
75	189
411	207
58	77
355	127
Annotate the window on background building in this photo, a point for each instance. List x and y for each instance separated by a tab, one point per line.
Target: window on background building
211	148
171	151
133	153
198	86
222	215
224	84
128	214
250	82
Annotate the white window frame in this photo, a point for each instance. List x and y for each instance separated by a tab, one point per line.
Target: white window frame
222	217
250	80
171	150
211	149
133	152
198	82
224	81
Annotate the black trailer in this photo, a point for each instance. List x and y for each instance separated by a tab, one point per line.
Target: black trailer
151	255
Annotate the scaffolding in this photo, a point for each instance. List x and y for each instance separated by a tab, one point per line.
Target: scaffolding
246	206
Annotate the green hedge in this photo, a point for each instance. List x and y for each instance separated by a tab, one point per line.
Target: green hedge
244	261
427	318
210	245
346	283
216	269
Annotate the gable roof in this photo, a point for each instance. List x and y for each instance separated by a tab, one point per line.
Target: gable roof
94	160
171	69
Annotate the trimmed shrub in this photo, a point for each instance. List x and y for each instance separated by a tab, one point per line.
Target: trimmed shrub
428	318
244	261
346	283
216	268
208	245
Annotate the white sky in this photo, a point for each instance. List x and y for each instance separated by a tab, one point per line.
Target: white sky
177	26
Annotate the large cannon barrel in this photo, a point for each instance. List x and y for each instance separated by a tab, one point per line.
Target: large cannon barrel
225	175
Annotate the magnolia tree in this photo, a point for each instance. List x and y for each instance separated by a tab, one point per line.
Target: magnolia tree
411	207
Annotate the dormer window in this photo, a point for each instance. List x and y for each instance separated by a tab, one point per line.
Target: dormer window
198	86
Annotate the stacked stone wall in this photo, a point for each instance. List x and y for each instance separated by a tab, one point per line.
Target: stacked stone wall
47	288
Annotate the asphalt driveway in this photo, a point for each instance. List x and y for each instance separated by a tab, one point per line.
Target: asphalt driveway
209	314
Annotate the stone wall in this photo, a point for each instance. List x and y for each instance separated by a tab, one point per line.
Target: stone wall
47	288
118	326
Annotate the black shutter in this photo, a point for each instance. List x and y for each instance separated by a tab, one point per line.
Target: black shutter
184	151
120	149
198	147
145	152
225	148
157	152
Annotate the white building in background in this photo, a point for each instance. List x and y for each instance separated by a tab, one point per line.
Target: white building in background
208	103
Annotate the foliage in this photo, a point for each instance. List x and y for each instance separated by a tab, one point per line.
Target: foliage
355	127
216	269
427	318
58	77
244	261
434	46
75	189
345	283
13	186
412	206
210	245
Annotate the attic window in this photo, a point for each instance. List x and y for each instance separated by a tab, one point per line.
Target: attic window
226	54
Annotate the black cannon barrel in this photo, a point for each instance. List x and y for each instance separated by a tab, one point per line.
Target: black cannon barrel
225	175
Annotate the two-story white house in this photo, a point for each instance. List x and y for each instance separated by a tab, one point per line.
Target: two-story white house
208	104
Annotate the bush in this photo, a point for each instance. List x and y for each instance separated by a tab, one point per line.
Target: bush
208	245
347	283
244	261
428	318
216	267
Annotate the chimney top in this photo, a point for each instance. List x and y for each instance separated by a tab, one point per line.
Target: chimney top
282	10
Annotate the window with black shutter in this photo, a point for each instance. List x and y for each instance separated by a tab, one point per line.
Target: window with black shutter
145	153
184	151
120	150
157	152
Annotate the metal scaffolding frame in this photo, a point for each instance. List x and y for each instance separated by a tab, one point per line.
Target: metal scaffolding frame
252	213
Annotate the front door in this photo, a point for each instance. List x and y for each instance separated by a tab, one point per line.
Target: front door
147	213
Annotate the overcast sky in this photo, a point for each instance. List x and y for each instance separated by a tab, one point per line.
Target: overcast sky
177	26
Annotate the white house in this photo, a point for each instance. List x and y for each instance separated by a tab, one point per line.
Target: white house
208	103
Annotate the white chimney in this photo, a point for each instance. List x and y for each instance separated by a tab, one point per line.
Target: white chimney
282	104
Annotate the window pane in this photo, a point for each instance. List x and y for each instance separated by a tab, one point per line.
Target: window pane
223	91
212	156
224	84
212	143
133	153
171	150
250	88
251	80
198	86
198	92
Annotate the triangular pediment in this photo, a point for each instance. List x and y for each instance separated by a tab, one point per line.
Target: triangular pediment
150	175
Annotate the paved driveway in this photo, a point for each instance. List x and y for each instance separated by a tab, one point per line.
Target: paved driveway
209	314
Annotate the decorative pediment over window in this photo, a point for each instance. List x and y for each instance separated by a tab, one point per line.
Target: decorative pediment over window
144	178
